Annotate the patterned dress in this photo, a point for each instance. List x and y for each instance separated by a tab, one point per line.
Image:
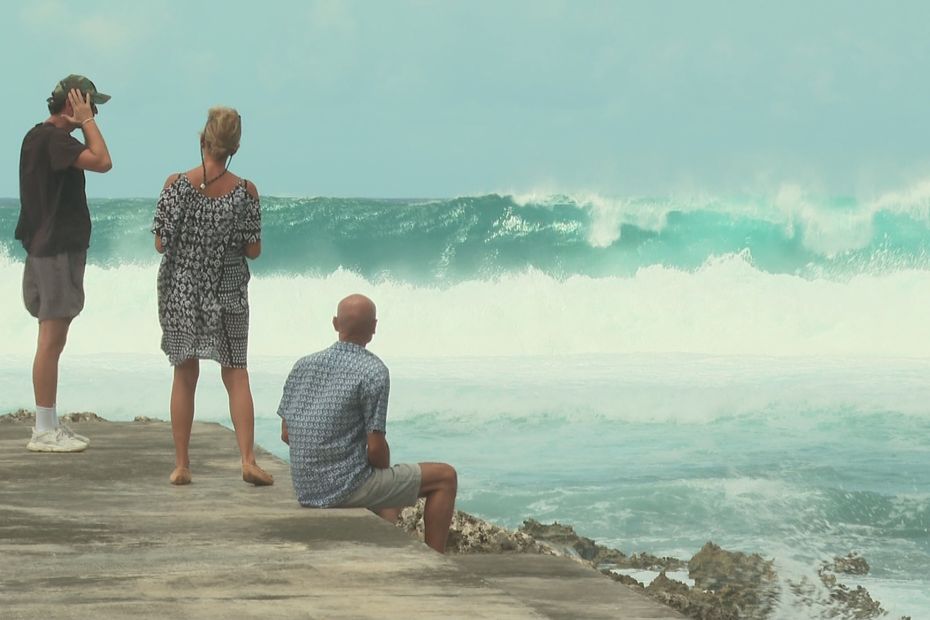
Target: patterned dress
203	303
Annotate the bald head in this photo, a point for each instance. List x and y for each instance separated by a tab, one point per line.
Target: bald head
356	319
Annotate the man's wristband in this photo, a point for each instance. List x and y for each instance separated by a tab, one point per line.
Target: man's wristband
86	120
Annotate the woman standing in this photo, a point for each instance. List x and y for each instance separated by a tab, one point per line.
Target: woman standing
207	222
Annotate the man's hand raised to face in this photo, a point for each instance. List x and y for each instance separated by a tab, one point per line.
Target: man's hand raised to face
81	108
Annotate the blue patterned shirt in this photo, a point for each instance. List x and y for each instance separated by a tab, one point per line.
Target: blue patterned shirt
332	400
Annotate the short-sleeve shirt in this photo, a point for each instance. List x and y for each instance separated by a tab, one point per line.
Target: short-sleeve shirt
53	216
332	400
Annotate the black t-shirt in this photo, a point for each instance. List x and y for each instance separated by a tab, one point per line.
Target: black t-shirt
53	215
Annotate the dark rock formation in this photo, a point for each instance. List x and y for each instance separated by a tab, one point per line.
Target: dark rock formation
20	415
836	599
744	584
564	538
692	602
851	564
82	416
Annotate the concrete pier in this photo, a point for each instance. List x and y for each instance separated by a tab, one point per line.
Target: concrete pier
101	534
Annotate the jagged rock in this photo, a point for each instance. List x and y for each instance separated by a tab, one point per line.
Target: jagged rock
82	416
692	602
647	561
745	584
23	415
561	536
851	564
469	534
857	600
839	600
624	579
20	415
835	599
663	584
611	557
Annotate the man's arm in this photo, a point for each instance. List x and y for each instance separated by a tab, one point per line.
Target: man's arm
284	436
96	157
379	453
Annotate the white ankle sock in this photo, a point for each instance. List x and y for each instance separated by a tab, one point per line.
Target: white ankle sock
46	419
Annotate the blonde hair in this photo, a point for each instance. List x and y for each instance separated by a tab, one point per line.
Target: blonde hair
222	132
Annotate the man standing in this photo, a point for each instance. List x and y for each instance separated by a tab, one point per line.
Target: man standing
54	227
333	416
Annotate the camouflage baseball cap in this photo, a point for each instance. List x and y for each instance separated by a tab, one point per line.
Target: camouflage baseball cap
81	83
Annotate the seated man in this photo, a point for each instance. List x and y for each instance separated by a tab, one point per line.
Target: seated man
333	415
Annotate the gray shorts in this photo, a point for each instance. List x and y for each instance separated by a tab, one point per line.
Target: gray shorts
396	487
53	286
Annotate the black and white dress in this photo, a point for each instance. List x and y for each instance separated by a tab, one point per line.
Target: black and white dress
203	303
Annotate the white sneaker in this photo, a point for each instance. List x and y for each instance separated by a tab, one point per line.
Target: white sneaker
55	440
70	432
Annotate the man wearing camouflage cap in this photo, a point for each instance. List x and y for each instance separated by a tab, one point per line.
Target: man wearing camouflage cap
54	227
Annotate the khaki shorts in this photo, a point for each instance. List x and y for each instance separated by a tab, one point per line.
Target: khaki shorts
53	286
396	487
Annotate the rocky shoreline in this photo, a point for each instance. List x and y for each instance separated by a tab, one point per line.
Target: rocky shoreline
728	585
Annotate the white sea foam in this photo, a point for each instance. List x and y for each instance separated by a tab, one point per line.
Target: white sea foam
727	307
913	201
608	215
822	230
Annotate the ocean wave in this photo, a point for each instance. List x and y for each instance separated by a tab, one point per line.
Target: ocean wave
443	242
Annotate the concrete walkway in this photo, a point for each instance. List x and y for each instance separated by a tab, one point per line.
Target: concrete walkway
101	534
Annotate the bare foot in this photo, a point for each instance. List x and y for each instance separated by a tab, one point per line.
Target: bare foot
180	476
253	474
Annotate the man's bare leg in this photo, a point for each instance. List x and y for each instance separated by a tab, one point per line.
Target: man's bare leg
183	390
389	514
53	334
438	484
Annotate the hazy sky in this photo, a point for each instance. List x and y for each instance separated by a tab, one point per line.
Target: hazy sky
417	98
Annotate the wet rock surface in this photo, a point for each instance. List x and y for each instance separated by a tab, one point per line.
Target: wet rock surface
744	584
837	600
692	602
850	564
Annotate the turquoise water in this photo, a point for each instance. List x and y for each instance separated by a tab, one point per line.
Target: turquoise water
439	242
658	372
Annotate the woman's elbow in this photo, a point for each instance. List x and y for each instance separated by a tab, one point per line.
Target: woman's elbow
253	250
